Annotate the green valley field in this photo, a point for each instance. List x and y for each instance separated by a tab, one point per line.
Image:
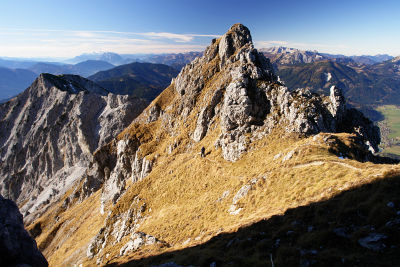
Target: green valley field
390	129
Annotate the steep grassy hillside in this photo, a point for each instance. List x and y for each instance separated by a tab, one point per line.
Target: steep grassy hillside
314	234
189	199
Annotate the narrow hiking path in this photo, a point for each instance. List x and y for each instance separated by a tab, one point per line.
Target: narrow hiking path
318	163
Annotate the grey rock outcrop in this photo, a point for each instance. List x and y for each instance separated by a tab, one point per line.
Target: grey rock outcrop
49	132
120	226
138	240
254	102
17	248
206	115
337	105
234	39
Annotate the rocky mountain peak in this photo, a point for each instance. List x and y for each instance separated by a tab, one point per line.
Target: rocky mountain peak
72	84
237	37
49	132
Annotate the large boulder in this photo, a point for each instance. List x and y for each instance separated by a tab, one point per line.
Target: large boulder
17	248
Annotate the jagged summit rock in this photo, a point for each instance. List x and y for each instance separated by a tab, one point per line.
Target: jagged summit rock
237	37
17	248
49	132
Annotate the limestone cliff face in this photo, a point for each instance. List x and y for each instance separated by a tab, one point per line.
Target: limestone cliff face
49	132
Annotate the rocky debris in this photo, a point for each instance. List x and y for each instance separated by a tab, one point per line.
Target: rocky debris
126	167
288	156
243	191
390	204
154	113
49	132
138	240
223	196
117	227
110	170
373	241
17	248
342	231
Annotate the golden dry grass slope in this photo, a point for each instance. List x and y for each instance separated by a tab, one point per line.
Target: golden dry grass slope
183	202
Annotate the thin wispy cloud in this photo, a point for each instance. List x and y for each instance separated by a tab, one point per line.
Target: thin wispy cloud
67	43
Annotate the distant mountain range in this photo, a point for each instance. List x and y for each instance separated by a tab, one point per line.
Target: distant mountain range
177	61
363	84
85	68
370	80
286	55
13	81
112	58
145	80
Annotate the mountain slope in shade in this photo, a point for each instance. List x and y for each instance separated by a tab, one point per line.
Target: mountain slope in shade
16	64
17	247
365	84
85	68
145	80
151	191
14	81
49	132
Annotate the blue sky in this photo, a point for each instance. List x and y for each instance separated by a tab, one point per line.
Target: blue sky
55	28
